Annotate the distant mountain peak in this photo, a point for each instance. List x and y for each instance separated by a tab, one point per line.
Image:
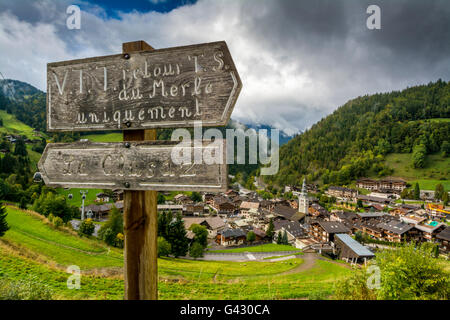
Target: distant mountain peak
16	90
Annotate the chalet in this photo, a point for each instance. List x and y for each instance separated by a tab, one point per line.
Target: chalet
365	183
232	193
260	234
429	231
247	205
182	199
97	212
387	184
351	250
343	216
208	198
293	229
324	231
443	238
395	184
371	200
400	212
370	215
316	210
102	197
212	224
341	192
223	206
117	194
396	231
194	209
231	237
412	219
174	208
286	212
371	228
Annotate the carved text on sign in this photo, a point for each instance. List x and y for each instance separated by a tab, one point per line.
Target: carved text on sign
131	165
161	88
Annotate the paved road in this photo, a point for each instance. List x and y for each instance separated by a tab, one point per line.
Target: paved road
244	256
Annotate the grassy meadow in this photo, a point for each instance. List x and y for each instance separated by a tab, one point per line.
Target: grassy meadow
34	249
436	170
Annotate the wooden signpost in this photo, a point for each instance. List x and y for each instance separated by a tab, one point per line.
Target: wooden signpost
138	91
132	165
141	90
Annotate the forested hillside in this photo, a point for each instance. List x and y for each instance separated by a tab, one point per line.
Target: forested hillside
353	141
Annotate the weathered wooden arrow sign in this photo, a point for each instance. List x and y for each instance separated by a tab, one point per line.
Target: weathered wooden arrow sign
142	90
149	165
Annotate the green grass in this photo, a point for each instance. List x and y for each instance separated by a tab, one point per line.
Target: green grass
23	247
270	247
187	279
76	199
30	235
106	137
436	170
14	267
13	126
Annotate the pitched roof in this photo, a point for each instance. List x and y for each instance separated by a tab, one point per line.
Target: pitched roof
333	226
395	226
284	211
371	214
232	233
249	205
444	234
293	227
354	245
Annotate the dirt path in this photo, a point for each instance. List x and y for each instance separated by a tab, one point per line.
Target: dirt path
309	260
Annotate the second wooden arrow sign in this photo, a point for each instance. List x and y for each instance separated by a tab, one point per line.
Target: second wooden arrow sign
155	165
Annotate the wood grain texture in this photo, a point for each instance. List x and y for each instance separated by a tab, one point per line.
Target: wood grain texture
140	224
163	88
144	165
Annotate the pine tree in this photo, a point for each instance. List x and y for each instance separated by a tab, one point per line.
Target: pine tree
3	223
279	238
417	191
270	230
285	238
177	237
20	148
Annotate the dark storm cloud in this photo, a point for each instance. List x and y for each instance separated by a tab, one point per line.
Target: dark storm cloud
298	60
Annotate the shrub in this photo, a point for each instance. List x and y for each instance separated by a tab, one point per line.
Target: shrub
163	247
87	227
196	250
109	236
27	289
3	223
58	222
120	238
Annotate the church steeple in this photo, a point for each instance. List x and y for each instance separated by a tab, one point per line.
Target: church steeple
304	186
303	202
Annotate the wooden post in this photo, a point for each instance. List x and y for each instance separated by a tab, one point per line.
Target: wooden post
140	222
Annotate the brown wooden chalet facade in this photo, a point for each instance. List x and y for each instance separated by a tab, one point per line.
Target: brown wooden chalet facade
231	237
324	231
342	192
387	184
443	238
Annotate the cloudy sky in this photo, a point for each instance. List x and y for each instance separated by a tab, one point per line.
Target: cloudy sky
298	60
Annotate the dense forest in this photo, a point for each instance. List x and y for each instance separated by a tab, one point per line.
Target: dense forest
353	140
